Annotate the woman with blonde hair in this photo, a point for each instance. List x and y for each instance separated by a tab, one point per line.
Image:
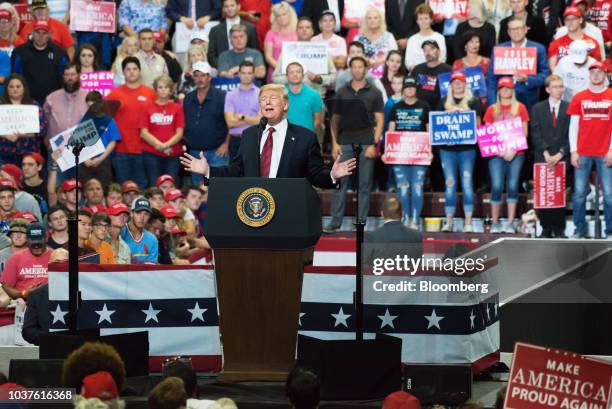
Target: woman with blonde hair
284	24
195	53
9	28
376	39
508	164
459	159
128	47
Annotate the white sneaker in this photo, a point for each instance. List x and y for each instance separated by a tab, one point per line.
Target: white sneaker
468	228
447	228
496	228
510	229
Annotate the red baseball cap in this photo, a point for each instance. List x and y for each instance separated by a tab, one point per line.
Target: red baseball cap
130	186
164	178
36	156
401	400
572	11
99	385
7	184
41	25
457	75
69	185
29	216
577	2
173	194
158	36
98	209
117	208
15	173
169	212
505	82
5	15
598	65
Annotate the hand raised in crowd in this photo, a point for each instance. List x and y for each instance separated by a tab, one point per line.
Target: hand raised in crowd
342	169
56	155
195	165
575	160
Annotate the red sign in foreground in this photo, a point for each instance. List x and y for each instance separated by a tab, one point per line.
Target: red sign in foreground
407	148
515	60
549	186
549	378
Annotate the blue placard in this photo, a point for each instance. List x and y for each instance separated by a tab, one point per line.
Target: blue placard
453	128
475	81
226	83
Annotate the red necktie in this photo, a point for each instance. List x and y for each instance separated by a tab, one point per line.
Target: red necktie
265	159
554	118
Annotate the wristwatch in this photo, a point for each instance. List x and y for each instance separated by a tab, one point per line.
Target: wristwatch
242	117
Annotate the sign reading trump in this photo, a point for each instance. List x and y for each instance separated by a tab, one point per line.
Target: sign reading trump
312	56
501	136
453	128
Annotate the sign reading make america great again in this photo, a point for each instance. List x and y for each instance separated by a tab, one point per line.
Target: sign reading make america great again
453	128
515	60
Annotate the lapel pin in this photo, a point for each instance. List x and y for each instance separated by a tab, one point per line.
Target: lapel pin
293	138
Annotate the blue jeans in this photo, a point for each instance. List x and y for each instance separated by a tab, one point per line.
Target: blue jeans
500	169
103	43
457	162
410	180
213	160
130	166
581	189
156	165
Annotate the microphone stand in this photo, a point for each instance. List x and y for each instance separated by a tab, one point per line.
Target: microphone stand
359	227
74	295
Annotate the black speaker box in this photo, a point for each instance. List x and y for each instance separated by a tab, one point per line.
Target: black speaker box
439	384
353	370
36	373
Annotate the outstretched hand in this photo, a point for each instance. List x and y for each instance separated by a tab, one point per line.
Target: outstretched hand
342	169
195	165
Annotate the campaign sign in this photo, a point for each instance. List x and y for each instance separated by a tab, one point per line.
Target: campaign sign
502	136
22	119
475	81
226	83
549	378
453	128
85	132
549	186
449	8
24	14
407	148
515	60
312	56
92	16
101	81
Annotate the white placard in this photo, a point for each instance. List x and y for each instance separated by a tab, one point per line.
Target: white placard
21	119
67	160
19	321
312	56
182	35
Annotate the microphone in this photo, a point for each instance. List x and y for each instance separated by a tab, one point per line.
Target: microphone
260	128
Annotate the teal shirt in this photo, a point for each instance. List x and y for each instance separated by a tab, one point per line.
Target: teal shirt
303	106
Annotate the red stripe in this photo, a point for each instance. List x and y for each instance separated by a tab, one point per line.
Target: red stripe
201	363
95	268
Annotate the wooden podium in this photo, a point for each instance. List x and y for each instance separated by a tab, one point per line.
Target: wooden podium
262	231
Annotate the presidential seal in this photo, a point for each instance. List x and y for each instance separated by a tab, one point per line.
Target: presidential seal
255	207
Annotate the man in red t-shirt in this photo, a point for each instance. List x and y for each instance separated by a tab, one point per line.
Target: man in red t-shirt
559	48
27	269
60	34
133	98
590	130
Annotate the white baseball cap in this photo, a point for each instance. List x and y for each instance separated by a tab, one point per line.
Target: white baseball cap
578	51
202	66
199	35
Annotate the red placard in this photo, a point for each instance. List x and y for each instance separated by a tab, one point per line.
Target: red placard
92	16
449	8
515	60
24	14
407	148
544	378
549	186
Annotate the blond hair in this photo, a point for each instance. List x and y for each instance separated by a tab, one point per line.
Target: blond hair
14	21
94	403
278	88
223	403
165	80
122	50
363	25
276	9
514	105
463	105
476	9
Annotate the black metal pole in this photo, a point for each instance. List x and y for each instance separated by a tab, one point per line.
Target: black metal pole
73	250
360	227
597	214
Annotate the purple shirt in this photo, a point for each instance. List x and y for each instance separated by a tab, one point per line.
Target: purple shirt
241	101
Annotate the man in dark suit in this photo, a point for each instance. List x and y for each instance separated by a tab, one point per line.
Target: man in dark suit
205	11
393	238
282	150
36	320
401	20
219	35
550	137
314	8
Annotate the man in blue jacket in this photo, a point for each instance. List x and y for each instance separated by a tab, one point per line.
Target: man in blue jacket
526	86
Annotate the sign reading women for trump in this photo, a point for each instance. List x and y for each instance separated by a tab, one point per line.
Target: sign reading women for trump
475	81
312	56
549	378
501	136
22	119
407	148
93	16
101	81
449	8
515	60
453	128
549	186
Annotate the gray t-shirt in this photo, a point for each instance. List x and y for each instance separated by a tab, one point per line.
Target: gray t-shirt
229	58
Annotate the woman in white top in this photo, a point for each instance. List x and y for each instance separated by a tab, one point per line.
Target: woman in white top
376	39
336	45
414	51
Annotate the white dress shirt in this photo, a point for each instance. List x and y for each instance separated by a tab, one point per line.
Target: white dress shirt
278	141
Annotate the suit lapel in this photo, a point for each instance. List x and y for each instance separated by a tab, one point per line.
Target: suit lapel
290	141
225	39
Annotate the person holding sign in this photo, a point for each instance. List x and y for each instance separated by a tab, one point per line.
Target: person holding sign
507	164
410	115
459	159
